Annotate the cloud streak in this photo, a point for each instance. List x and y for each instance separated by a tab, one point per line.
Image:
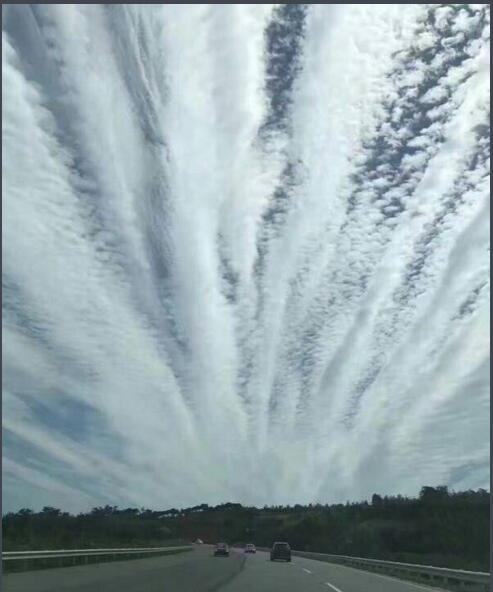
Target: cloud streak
245	252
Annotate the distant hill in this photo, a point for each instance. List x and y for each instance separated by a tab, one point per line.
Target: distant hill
441	528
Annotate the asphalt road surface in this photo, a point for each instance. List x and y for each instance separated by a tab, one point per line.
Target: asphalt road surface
199	571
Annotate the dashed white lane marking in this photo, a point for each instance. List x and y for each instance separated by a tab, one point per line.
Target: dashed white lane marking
333	587
307	570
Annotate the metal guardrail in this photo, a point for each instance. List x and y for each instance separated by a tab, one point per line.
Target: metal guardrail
451	579
25	560
12	555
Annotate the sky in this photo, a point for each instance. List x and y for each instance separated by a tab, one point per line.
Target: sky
245	253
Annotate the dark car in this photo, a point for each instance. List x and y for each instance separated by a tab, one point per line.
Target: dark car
280	551
221	549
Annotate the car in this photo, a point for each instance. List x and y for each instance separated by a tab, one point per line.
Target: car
250	548
280	550
199	542
221	549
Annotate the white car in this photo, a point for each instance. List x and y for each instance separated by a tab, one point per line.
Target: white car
250	548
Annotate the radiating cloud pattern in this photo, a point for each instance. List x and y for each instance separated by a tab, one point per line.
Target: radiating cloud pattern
245	252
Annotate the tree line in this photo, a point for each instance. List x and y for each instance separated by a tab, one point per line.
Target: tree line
442	528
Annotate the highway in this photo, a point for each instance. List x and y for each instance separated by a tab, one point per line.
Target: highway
199	571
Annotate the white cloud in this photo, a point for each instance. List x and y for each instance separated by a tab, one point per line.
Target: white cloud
169	328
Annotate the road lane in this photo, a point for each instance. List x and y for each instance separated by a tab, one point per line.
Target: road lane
193	571
260	574
199	571
308	575
348	579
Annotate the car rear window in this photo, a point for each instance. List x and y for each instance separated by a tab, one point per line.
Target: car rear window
281	545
